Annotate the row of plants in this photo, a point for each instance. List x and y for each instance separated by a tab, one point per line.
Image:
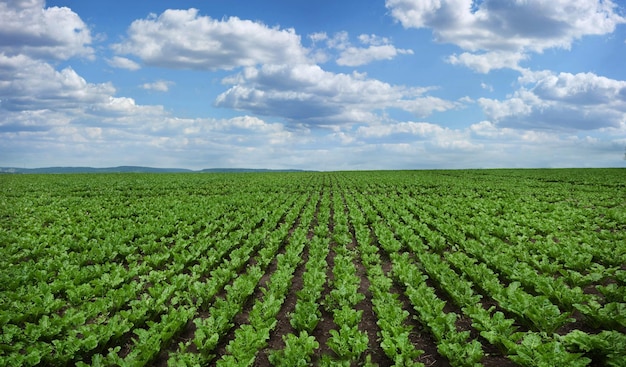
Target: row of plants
90	316
393	320
347	341
146	269
252	336
497	329
451	343
300	346
506	260
222	310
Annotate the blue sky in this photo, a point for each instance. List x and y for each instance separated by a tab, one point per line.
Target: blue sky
325	85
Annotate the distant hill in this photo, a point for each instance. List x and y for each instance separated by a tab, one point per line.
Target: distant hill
217	170
129	169
120	169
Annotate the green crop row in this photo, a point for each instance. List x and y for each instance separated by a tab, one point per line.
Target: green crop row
484	266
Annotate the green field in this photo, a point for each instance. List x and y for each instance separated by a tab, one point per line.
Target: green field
433	268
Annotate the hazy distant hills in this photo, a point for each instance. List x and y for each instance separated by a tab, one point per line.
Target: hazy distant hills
129	169
249	170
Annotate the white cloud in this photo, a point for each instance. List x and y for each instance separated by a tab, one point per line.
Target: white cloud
426	105
372	39
431	136
497	27
308	94
550	148
184	39
54	117
485	62
35	96
123	63
421	129
247	141
117	109
340	41
27	27
427	145
377	48
157	140
28	84
159	86
583	101
355	56
51	116
582	89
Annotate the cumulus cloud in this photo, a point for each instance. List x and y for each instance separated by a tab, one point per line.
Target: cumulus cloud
49	116
123	63
28	27
497	28
33	95
29	84
583	101
186	40
248	141
308	94
52	117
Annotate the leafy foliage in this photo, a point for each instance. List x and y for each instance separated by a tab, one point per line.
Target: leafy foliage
130	269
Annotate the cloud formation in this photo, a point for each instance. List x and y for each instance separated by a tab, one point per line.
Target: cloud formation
295	113
35	96
183	39
374	48
432	135
29	84
306	93
27	27
496	28
378	48
485	62
564	101
123	63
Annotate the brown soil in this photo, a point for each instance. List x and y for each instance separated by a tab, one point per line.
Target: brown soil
283	326
326	323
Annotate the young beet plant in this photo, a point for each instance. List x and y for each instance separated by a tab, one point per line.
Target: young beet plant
297	351
306	316
349	342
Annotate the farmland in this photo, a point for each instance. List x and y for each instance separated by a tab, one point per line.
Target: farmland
433	268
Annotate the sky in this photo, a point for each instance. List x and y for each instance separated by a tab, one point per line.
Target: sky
323	85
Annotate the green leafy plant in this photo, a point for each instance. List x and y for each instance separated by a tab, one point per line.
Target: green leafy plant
539	350
607	347
297	351
306	316
348	342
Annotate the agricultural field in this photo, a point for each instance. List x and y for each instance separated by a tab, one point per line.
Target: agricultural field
387	268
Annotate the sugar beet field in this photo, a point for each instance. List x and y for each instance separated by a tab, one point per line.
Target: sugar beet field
403	268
